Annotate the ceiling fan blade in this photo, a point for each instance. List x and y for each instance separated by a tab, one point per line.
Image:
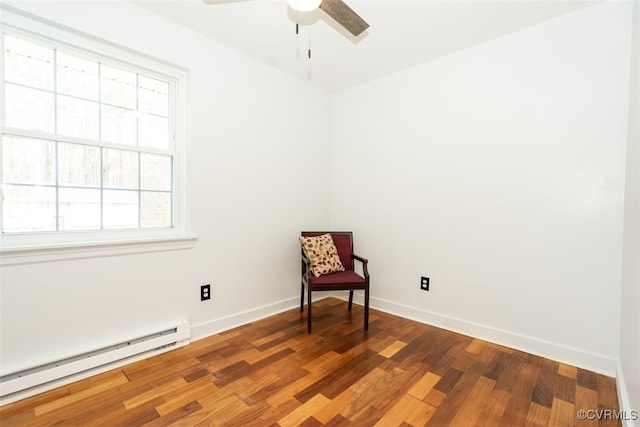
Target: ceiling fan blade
344	15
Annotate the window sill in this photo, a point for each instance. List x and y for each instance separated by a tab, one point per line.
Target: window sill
33	254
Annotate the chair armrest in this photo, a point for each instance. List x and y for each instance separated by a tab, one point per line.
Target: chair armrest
364	262
359	258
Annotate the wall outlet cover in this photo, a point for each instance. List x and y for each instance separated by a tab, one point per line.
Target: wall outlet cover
205	292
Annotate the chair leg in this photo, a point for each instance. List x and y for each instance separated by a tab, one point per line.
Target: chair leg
301	297
309	310
350	299
366	308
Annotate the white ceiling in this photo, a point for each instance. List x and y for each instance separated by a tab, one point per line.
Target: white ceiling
401	33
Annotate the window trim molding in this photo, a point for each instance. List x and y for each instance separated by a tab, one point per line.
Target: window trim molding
40	253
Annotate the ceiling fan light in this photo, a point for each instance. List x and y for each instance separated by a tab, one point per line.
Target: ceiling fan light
304	5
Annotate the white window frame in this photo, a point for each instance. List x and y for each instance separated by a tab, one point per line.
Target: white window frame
25	248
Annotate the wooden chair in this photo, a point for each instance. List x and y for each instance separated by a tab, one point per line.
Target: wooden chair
337	281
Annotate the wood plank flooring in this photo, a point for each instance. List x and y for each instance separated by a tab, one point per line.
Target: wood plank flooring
272	373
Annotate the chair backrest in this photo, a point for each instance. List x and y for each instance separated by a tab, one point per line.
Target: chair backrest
344	244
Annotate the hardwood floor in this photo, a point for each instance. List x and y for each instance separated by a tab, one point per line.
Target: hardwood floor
271	372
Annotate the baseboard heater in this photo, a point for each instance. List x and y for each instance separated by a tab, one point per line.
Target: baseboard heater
129	350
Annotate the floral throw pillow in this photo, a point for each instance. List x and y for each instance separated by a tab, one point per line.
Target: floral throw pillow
322	254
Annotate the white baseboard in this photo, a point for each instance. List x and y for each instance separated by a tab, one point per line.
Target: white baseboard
546	349
531	345
624	402
549	350
212	327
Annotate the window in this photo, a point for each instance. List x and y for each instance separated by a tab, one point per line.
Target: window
88	142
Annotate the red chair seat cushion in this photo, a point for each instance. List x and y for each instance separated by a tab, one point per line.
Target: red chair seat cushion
341	277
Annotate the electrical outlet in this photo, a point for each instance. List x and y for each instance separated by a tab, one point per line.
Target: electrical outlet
424	283
205	292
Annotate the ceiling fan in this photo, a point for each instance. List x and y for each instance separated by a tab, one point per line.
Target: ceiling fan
337	9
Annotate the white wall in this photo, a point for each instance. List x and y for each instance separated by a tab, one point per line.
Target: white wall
254	133
629	370
498	172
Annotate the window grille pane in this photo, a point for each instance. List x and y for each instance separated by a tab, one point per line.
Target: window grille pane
118	87
77	117
119	168
28	161
79	209
78	165
30	109
28	208
118	125
75	177
155	172
153	131
77	76
155	209
153	96
120	209
28	63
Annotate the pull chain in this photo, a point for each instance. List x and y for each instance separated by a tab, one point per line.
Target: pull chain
309	63
297	39
297	33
